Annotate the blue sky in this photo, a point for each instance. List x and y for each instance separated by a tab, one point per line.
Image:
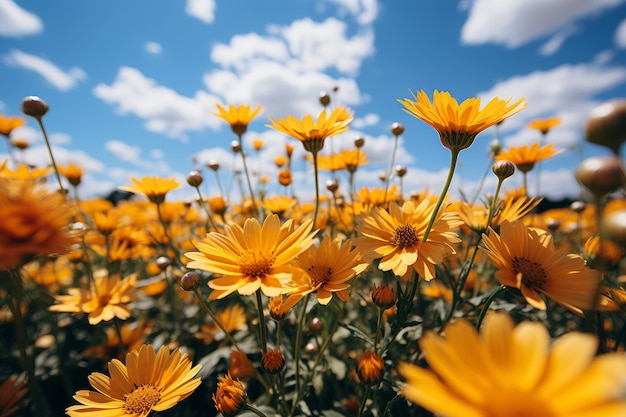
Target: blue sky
132	85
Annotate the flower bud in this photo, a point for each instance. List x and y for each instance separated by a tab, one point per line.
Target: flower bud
359	142
273	361
606	125
503	169
230	396
189	281
284	177
34	106
194	178
316	324
371	368
601	175
163	262
324	98
397	129
577	206
213	164
384	296
400	170
613	227
235	146
332	185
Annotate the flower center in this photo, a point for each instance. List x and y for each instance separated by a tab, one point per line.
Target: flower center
256	262
141	400
533	274
320	275
405	236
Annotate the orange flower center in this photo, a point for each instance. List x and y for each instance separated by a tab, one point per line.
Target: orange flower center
533	274
142	399
405	236
256	262
320	275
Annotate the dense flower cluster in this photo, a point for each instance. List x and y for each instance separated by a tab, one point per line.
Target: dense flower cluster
349	302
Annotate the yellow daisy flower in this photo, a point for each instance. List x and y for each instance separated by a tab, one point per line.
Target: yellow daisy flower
544	125
525	157
24	172
230	395
106	299
251	257
155	188
457	124
238	117
147	382
313	133
34	222
526	260
397	235
7	124
72	172
512	370
328	267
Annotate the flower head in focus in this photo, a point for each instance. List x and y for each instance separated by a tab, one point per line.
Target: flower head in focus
525	157
146	382
312	133
458	124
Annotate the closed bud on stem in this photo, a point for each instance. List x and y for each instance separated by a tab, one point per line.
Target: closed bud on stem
397	129
194	178
235	146
359	142
189	281
503	169
601	175
34	106
371	368
324	98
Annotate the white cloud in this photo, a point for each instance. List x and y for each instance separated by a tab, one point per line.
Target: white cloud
282	90
38	156
515	22
124	151
321	46
557	40
365	11
620	35
201	9
567	92
153	48
17	22
164	110
370	119
49	71
244	50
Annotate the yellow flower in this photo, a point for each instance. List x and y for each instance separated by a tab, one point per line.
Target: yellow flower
34	222
313	133
253	257
384	296
279	204
155	188
230	396
512	370
457	124
108	297
328	267
396	236
526	260
24	172
7	124
273	361
233	318
544	125
72	172
11	392
525	157
147	382
240	366
511	209
238	117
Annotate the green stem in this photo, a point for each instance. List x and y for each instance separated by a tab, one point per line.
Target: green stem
393	159
379	325
317	189
495	294
365	397
54	165
442	195
253	410
297	351
215	319
245	168
14	288
262	327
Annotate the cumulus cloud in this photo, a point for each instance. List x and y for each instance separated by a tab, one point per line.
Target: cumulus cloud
61	80
244	50
515	22
203	10
557	40
620	35
365	11
164	110
16	22
153	48
566	91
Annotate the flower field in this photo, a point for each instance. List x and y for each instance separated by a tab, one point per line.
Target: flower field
361	302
